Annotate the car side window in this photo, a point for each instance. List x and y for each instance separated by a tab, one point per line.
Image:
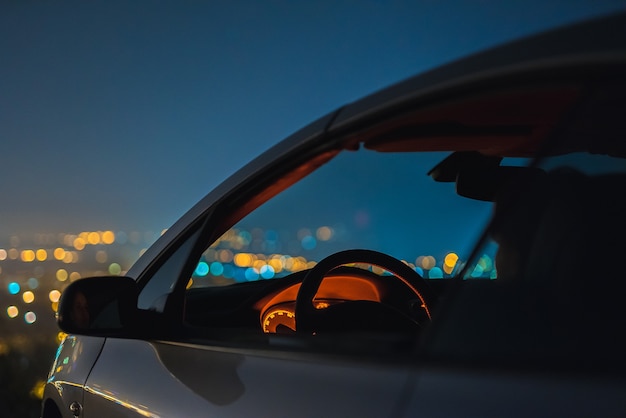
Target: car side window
154	295
385	202
559	293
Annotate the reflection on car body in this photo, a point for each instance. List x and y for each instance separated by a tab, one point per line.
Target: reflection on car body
332	276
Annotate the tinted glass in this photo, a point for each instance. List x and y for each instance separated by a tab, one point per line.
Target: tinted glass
380	201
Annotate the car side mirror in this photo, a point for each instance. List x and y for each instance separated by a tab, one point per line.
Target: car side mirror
99	306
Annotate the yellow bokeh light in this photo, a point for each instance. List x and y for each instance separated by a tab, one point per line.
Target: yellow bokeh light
93	238
54	306
450	260
61	336
74	276
13	254
28	296
12	311
108	237
59	253
243	260
41	254
3	254
79	244
28	256
54	295
189	284
61	275
276	264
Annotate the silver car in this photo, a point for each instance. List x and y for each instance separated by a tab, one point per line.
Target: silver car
449	246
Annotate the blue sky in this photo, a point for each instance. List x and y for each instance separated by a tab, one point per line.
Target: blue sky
121	115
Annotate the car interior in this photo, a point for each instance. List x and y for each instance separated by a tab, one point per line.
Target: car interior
558	226
540	284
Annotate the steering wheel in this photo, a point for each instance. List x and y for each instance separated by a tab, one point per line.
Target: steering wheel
310	320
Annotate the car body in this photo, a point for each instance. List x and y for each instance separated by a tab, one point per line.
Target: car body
332	276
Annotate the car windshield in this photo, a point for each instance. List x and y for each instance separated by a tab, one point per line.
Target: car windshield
365	199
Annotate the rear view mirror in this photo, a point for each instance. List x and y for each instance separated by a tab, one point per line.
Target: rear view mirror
487	184
98	306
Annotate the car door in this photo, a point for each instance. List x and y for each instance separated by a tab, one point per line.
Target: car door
186	374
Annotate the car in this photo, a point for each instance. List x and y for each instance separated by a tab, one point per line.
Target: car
451	245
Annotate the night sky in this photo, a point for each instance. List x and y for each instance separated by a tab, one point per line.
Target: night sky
121	115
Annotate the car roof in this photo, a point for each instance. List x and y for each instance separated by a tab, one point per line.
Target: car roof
575	51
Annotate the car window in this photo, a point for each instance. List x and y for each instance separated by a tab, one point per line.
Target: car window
380	201
557	244
161	283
